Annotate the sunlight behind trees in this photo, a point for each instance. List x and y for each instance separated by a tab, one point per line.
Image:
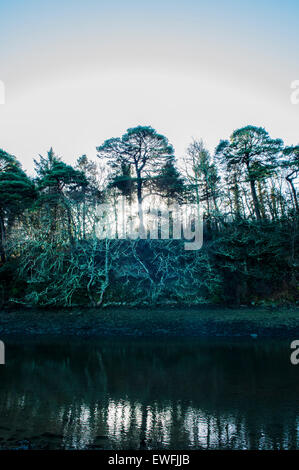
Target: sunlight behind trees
247	192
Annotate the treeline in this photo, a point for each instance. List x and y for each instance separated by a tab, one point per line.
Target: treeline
51	254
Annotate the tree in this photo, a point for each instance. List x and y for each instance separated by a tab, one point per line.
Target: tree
17	193
121	178
202	176
169	183
254	152
142	150
56	181
55	255
87	195
292	167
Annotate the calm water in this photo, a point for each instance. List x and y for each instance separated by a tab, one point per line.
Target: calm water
174	394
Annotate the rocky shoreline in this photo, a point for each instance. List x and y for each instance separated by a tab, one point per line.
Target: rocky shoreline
145	322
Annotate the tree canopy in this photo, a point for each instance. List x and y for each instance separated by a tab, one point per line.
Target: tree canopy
53	255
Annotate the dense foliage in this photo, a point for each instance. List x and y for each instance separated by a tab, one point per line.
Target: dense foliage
51	253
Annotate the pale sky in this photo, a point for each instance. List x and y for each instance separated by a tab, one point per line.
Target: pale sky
79	72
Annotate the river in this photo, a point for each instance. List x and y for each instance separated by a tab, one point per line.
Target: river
148	393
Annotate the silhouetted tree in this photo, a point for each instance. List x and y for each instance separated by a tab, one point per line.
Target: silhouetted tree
144	150
251	149
17	192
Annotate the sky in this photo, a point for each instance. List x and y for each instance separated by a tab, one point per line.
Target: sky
79	72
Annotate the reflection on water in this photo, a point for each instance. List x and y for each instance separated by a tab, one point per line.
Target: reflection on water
172	394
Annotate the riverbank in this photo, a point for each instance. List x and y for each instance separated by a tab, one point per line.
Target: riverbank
166	321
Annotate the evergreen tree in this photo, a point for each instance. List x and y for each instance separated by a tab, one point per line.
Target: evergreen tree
144	151
292	167
17	193
56	182
255	153
202	178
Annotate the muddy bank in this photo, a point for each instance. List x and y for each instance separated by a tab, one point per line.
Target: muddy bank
170	321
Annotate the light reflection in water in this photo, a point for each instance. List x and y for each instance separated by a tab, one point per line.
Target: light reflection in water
178	395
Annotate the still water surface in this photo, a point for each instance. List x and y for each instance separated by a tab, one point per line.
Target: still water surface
161	394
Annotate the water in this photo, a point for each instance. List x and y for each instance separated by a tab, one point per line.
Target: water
162	394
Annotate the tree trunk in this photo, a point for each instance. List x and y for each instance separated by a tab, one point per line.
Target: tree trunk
255	200
2	240
69	225
236	194
140	208
261	197
84	217
290	181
